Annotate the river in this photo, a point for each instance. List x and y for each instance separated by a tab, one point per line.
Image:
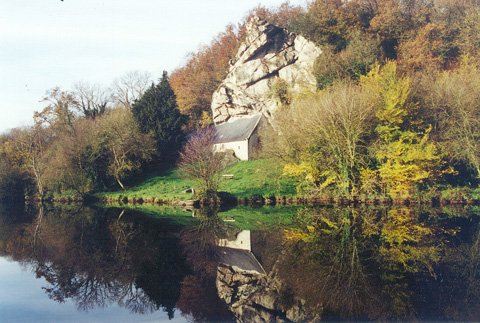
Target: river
83	264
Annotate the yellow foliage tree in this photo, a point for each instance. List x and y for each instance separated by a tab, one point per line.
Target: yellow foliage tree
406	158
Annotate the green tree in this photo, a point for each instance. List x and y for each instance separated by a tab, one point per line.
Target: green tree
325	22
352	62
29	147
156	113
12	181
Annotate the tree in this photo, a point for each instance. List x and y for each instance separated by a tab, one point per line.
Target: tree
58	113
27	148
199	161
352	62
91	99
326	23
54	122
433	47
330	129
453	98
12	180
405	157
32	148
127	148
469	37
130	87
395	19
156	113
71	162
195	82
285	15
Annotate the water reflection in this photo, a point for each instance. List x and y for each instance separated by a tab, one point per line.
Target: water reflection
380	264
332	263
97	257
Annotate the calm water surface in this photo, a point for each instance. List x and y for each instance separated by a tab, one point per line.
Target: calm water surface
86	264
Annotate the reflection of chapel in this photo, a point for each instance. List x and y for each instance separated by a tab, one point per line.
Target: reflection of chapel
238	253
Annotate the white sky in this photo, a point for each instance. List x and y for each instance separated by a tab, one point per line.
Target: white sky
48	43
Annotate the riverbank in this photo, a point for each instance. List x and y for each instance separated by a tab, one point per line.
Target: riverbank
261	182
243	180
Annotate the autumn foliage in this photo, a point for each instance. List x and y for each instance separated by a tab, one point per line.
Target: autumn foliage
395	112
195	82
204	70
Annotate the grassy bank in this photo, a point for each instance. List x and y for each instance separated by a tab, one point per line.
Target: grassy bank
244	218
247	218
264	178
260	177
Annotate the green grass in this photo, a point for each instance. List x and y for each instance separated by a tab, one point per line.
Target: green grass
259	177
243	218
66	195
247	218
167	186
456	193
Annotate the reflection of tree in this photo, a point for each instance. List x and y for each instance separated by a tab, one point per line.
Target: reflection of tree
345	263
97	258
199	299
459	293
11	218
334	251
407	242
362	260
200	242
198	296
37	223
473	267
406	246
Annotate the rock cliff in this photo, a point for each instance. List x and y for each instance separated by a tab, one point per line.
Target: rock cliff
268	54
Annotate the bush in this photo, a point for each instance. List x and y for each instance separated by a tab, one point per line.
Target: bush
200	162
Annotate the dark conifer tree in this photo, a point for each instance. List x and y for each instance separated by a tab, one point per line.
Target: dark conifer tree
156	112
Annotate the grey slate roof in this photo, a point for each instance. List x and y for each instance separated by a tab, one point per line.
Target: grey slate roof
237	130
242	259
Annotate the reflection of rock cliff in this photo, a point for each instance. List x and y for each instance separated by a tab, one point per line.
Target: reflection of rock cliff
269	53
250	294
255	297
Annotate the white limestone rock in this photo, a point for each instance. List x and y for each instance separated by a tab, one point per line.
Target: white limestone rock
269	53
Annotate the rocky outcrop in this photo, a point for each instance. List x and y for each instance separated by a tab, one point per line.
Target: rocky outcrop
268	54
255	297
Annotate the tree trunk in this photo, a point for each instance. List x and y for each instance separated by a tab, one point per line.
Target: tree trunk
120	183
38	221
37	178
